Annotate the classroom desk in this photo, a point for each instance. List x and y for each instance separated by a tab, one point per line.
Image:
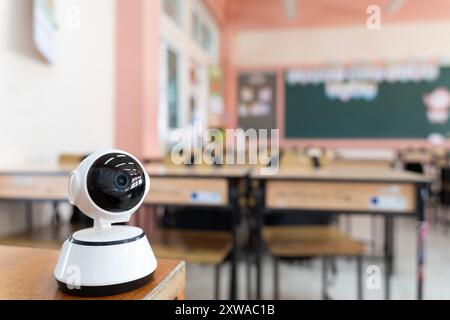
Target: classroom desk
30	185
387	192
27	274
214	187
34	184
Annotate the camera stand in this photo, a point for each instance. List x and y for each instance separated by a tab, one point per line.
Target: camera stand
105	261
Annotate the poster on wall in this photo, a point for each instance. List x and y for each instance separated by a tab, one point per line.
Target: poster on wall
215	96
44	29
256	100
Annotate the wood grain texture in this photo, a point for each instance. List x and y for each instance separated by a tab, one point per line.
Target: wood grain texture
345	174
47	237
224	171
341	196
310	241
27	274
359	164
170	184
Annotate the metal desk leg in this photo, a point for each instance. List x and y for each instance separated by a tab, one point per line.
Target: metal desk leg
258	272
276	279
359	275
422	231
249	275
55	213
388	255
259	243
234	254
217	282
420	258
233	275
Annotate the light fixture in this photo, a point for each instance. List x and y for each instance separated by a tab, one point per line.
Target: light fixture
290	7
394	6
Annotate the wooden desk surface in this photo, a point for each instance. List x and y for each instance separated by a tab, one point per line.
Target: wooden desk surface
171	184
27	274
36	170
225	171
345	174
157	170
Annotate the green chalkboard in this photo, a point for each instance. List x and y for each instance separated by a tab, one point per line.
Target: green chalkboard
398	111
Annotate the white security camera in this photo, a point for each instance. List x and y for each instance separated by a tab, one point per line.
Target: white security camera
109	187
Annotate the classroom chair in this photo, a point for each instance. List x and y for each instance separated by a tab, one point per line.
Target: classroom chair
290	242
425	163
70	160
444	194
197	236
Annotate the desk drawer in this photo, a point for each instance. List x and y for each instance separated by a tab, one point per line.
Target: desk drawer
341	196
188	191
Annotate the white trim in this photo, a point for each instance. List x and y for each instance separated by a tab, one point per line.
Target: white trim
180	39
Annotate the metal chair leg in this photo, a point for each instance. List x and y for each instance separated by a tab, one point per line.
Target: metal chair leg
359	275
446	220
324	278
387	280
249	277
373	231
217	282
276	279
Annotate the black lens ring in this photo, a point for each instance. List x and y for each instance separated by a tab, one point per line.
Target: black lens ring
116	182
122	185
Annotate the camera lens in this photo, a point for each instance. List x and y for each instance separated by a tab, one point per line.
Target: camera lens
122	181
116	182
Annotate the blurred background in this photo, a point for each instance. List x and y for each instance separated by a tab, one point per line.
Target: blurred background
353	85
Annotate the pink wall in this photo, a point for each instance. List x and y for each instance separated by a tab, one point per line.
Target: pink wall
137	77
270	14
151	67
138	34
137	55
320	13
218	9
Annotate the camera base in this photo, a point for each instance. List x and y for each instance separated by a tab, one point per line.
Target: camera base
102	262
102	291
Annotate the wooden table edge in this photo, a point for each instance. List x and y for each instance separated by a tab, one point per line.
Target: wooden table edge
164	291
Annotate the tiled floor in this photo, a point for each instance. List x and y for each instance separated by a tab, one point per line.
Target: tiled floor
303	282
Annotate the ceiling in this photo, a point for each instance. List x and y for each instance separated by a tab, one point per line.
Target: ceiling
317	13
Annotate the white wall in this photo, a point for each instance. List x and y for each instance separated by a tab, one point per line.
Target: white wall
68	107
296	47
46	110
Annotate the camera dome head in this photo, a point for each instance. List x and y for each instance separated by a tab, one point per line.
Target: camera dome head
109	186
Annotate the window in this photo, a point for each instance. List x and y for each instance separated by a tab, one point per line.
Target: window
173	10
196	29
206	38
172	88
202	33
